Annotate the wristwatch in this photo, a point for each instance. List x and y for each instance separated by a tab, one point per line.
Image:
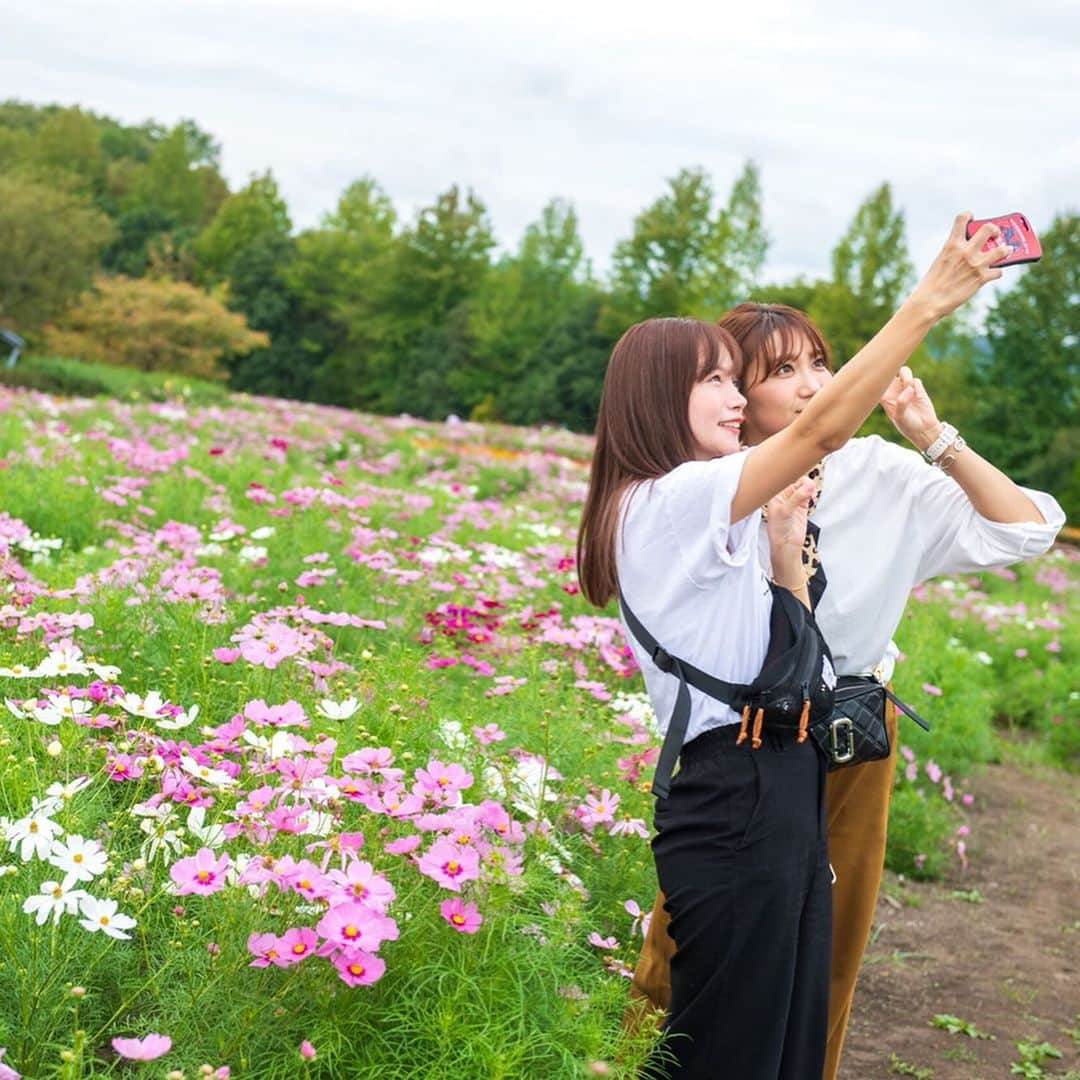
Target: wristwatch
949	437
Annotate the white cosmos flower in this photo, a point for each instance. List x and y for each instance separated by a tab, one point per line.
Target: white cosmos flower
251	553
79	858
212	836
34	834
215	777
18	671
160	839
105	672
223	535
337	710
452	733
61	707
279	745
102	915
55	899
63	793
14	709
318	823
179	721
263	532
148	707
61	662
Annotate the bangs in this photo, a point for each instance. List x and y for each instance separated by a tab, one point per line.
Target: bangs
769	335
717	350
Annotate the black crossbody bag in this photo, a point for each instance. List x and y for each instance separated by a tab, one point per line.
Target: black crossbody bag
855	732
794	691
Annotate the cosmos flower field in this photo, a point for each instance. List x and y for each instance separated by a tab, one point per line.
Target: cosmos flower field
317	764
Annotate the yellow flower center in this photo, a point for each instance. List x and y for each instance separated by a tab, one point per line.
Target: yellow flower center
457	920
204	875
299	948
77	857
351	931
104	920
453	867
356	969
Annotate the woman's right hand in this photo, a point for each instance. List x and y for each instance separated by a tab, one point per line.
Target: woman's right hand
960	269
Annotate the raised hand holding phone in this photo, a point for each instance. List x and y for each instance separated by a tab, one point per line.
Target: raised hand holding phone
1016	232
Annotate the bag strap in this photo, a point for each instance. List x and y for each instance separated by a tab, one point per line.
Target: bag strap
730	693
906	709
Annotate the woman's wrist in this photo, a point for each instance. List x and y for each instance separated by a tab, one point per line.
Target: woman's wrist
925	437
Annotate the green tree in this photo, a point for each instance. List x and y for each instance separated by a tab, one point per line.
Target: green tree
686	256
438	266
246	217
51	242
343	271
871	269
1028	417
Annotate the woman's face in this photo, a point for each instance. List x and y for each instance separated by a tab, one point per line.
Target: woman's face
776	397
716	412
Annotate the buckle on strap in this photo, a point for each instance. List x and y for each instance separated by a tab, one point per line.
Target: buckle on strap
841	740
663	659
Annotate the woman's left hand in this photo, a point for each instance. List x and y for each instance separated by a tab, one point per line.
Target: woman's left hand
908	406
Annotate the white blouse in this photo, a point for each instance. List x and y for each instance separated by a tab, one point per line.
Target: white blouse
889	520
696	582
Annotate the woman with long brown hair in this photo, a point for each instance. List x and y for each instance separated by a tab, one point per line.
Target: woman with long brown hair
671	523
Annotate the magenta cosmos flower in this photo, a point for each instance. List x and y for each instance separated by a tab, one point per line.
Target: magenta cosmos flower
147	1048
358	968
462	917
200	873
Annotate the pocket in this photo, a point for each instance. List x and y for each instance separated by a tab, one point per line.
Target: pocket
752	799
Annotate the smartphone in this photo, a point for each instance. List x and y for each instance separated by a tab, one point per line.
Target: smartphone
1016	231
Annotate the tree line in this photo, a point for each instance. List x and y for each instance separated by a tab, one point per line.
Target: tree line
124	243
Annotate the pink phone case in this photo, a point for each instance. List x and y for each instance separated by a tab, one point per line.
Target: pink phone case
1016	231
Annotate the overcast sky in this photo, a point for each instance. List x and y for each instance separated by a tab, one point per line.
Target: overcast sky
959	105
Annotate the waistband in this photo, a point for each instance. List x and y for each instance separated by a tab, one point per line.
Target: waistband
721	740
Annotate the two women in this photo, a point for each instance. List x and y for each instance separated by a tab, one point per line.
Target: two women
673	519
887	520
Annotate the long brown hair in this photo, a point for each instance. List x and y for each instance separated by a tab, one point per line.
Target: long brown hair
769	334
643	428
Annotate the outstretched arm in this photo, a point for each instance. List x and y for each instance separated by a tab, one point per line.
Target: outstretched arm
991	492
837	410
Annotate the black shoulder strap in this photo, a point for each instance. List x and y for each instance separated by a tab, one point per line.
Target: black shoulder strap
732	694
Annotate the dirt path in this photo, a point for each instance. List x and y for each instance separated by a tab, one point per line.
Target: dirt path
1009	964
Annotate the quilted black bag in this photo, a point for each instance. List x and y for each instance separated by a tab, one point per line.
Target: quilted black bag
855	731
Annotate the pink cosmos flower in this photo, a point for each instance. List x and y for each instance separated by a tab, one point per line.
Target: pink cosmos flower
268	645
933	771
307	1051
403	845
598	811
267	950
439	777
201	873
449	864
359	968
603	943
627	826
298	942
932	690
226	655
359	881
488	734
354	926
465	918
147	1048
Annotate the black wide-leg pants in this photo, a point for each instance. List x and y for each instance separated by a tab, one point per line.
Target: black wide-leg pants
742	858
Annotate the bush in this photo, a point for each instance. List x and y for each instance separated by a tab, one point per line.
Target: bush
153	325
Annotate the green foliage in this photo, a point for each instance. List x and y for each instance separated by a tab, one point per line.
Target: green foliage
51	241
955	1026
77	378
